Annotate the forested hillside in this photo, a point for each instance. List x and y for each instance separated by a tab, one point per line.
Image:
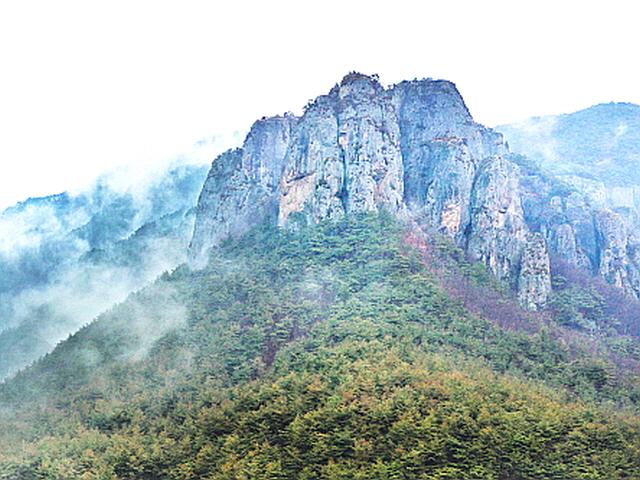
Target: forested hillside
339	351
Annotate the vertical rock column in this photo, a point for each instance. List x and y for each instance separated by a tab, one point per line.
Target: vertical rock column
345	157
534	280
497	233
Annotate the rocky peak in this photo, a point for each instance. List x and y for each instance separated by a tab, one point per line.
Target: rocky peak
534	279
346	155
414	150
435	103
242	185
357	86
265	147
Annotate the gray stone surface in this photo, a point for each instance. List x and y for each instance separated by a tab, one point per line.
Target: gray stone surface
414	150
497	233
242	186
534	279
346	156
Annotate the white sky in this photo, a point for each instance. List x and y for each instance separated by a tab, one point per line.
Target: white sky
87	86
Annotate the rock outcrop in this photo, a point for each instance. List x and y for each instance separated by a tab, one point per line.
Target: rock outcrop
617	261
590	237
346	156
242	186
414	150
497	232
593	219
534	281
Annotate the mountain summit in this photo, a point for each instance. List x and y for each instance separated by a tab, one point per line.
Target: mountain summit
413	150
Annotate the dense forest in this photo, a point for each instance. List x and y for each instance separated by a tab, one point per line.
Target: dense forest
354	349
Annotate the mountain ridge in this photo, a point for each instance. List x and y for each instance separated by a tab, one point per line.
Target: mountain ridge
66	258
413	149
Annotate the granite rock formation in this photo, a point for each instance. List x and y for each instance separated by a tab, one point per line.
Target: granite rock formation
413	150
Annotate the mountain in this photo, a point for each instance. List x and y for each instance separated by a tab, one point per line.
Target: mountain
377	288
414	150
596	150
66	258
600	144
340	350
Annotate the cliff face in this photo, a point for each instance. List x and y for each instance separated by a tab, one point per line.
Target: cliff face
345	156
413	150
242	186
581	232
593	220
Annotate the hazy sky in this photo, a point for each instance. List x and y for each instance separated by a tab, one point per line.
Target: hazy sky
86	86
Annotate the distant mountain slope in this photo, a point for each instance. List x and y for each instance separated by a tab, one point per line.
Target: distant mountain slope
596	149
66	258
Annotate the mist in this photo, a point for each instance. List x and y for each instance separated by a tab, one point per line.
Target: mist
66	258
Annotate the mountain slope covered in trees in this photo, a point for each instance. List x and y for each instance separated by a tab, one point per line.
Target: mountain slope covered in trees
337	351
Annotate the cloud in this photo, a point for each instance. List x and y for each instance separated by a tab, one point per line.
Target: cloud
32	225
535	138
66	259
47	314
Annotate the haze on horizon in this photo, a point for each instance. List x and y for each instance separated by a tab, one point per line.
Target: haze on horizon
87	87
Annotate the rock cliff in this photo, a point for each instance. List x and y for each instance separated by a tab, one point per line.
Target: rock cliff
579	231
590	211
243	185
413	150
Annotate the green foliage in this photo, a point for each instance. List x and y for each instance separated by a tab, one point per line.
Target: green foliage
578	307
453	258
326	353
